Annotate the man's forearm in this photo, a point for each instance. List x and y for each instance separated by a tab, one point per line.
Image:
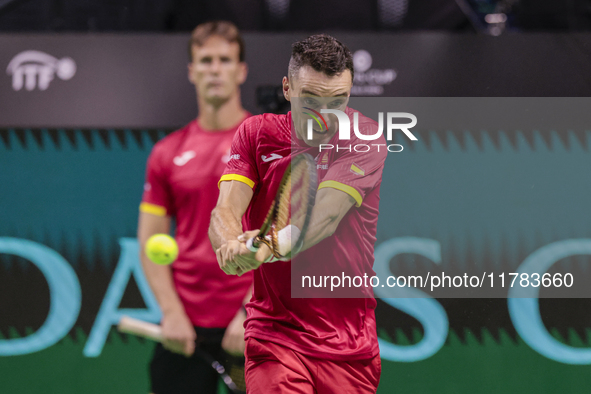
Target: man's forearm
330	207
319	230
224	226
162	285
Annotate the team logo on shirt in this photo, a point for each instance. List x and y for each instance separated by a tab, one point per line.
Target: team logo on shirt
184	158
357	170
322	164
271	157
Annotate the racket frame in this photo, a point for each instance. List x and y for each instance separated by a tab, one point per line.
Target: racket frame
268	234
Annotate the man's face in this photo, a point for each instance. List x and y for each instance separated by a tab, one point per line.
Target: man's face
310	91
216	70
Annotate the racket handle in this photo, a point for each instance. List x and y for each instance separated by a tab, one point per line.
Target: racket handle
144	329
250	245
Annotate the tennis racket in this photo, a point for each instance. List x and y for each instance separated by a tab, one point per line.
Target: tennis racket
286	223
233	379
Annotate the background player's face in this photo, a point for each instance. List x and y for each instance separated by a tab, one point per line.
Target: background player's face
316	90
216	70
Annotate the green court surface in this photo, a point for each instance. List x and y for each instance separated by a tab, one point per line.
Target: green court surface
461	366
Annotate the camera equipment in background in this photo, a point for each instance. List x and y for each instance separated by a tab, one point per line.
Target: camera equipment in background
270	99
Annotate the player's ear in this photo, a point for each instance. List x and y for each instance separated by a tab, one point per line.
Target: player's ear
242	72
190	73
286	90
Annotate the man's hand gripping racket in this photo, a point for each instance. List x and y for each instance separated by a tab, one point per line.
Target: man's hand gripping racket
286	224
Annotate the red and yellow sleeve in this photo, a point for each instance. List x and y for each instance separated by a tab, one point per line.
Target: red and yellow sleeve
237	177
350	190
156	199
355	173
242	165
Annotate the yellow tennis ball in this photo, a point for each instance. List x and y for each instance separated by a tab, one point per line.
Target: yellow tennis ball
162	249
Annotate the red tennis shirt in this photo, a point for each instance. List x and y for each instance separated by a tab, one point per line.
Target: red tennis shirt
330	328
181	181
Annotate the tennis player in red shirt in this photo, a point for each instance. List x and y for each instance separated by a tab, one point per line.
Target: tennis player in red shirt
196	298
305	345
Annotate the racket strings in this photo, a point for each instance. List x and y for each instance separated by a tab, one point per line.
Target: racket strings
282	214
236	373
300	196
292	206
284	207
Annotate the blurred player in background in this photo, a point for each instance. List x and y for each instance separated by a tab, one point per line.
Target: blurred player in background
306	345
197	299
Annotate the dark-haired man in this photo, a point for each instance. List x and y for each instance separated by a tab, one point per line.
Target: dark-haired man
197	300
305	345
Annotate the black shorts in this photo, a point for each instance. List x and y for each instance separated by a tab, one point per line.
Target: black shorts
172	373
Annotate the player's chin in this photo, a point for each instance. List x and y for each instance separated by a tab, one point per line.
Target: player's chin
217	97
322	137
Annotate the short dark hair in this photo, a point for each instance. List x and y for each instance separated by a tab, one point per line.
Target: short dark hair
323	53
224	29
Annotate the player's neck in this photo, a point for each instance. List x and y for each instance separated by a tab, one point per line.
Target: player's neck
226	116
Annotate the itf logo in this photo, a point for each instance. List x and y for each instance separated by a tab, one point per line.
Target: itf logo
37	69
